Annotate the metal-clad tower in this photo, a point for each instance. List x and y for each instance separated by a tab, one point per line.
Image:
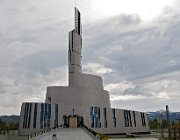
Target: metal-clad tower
75	47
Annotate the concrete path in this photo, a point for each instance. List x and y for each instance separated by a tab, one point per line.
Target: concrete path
66	134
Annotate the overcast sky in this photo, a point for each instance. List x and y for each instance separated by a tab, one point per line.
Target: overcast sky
132	44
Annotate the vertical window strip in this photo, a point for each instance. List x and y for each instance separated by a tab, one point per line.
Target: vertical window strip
134	117
29	115
126	118
42	116
95	117
92	116
49	115
25	115
35	115
114	117
45	115
105	118
99	118
143	119
56	116
130	122
95	114
27	118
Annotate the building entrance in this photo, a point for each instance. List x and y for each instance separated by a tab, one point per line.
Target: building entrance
73	121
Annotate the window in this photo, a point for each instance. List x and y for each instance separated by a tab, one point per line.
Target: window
92	116
49	116
134	116
27	115
127	118
35	115
45	116
98	117
105	117
126	121
42	116
143	119
129	115
56	116
95	117
114	117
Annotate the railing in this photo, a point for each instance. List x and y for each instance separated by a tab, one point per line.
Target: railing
90	131
44	131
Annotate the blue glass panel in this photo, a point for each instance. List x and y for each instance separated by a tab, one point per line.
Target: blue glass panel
42	116
49	115
56	116
99	118
92	116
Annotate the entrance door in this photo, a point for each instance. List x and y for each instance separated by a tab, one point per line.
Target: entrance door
79	121
73	122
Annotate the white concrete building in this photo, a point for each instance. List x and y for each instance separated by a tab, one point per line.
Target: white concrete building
85	99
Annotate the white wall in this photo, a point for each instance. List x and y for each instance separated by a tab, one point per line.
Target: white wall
85	112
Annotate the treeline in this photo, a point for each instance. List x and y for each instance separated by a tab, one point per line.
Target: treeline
156	124
5	127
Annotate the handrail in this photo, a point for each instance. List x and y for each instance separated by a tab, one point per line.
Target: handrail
44	131
93	133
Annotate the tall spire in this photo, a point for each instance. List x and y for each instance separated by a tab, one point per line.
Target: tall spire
75	47
78	28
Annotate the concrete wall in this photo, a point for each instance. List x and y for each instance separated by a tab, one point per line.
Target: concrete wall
77	96
85	113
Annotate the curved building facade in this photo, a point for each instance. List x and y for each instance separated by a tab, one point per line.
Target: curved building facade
85	97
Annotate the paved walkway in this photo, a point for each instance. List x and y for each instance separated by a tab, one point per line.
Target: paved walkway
66	134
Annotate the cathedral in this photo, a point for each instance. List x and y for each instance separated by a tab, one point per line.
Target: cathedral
83	101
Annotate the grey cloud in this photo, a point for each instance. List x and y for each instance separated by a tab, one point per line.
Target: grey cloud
145	50
146	104
2	87
145	53
43	61
135	91
34	44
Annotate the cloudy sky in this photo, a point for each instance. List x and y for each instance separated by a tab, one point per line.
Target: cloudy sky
133	45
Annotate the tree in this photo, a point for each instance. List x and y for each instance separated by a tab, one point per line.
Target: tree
13	126
154	124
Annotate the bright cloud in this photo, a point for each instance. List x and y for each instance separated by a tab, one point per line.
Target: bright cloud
146	9
139	61
95	68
